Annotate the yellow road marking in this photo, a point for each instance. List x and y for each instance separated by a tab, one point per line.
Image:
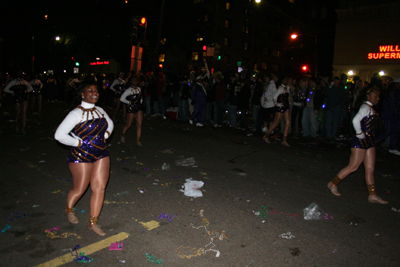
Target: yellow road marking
90	249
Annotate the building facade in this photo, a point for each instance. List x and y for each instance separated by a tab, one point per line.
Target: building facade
368	40
236	31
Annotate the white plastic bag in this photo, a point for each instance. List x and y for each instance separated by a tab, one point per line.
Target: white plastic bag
192	188
313	212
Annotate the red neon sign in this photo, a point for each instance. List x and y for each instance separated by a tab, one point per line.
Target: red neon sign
386	52
99	63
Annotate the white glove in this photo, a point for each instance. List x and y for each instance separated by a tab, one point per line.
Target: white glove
279	105
78	138
360	136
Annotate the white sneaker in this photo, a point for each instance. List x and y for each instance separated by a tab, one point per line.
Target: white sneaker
265	129
190	121
394	151
199	124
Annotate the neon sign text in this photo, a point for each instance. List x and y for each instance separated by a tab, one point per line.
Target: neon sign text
99	63
386	52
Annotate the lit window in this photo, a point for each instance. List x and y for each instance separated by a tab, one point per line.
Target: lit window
264	65
205	18
275	68
228	5
245	46
291	1
276	53
161	57
195	56
226	41
245	29
265	50
204	54
199	39
163	41
226	23
45	17
126	1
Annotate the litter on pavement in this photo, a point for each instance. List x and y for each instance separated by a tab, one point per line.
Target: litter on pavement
313	212
116	246
153	259
192	188
287	235
185	162
7	227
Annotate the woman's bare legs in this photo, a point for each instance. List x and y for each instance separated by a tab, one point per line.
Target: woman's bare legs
24	111
356	158
18	111
369	165
277	120
98	181
286	117
129	120
81	173
139	120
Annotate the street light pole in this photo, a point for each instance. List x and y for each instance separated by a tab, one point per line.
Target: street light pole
294	36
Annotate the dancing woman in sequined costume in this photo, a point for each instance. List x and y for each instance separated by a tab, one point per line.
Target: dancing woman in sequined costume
363	145
86	129
118	86
281	99
19	88
132	97
36	94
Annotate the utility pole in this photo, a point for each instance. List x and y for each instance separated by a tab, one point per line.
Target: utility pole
160	23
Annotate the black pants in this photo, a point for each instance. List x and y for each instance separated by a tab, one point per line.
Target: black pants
296	112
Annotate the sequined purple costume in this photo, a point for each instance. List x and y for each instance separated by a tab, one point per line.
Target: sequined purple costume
92	133
20	93
283	99
119	89
135	103
36	90
368	126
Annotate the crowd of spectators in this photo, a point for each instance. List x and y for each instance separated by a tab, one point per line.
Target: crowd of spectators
320	107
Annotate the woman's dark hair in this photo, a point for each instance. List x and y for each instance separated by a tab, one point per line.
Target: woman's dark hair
84	85
364	94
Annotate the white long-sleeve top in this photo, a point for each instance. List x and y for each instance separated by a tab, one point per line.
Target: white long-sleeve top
116	82
267	99
281	90
17	81
36	82
63	133
365	110
130	91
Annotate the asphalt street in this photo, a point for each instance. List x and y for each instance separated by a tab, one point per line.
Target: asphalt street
250	214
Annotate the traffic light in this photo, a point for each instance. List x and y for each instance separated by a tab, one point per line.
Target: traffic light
204	48
142	26
304	68
143	21
217	51
160	65
77	64
134	29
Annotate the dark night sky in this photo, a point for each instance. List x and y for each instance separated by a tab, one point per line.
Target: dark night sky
88	28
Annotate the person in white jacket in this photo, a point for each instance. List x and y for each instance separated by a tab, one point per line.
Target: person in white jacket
363	144
86	129
282	111
133	99
19	88
267	110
